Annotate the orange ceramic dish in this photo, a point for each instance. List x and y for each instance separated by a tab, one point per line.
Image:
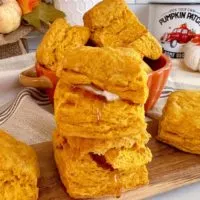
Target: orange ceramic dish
42	71
156	80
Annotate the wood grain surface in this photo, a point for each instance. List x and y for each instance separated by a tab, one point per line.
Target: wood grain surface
169	169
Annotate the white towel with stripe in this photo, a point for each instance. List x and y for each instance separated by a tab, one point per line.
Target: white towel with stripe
25	113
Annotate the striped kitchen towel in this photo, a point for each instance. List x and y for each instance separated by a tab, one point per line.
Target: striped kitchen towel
26	113
29	117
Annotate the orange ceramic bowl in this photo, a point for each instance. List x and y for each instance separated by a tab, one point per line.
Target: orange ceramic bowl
156	79
42	71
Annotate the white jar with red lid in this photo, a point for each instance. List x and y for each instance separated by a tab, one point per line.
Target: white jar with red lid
174	24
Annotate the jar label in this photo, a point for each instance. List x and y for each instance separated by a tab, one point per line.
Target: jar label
175	26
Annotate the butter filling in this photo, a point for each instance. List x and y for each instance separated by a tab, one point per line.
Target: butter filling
108	95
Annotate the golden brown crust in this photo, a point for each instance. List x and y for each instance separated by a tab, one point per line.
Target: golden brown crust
136	55
182	143
83	114
58	38
54	36
76	36
127	159
91	176
19	170
113	24
109	69
148	46
180	125
100	146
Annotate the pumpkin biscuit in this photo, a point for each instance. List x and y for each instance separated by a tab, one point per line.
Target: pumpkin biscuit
54	36
91	175
113	24
82	146
19	170
80	113
85	145
59	37
180	123
107	68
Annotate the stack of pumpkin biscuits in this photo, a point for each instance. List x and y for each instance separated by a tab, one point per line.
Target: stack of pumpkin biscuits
100	141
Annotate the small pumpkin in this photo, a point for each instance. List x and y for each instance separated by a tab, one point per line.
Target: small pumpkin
192	54
10	16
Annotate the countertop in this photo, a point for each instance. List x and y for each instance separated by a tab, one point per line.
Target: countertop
185	193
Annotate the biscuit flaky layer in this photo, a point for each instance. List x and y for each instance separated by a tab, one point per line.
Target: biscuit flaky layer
182	143
180	123
101	146
107	68
99	175
59	37
148	46
112	24
80	113
19	170
82	146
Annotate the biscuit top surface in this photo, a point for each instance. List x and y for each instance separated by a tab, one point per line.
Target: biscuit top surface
50	41
59	37
17	157
107	9
108	12
76	36
113	24
109	69
113	17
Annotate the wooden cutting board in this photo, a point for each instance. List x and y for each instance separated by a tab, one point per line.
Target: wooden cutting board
169	169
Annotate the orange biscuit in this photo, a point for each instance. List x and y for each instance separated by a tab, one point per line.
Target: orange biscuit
101	146
112	24
58	38
80	113
180	123
91	176
19	170
108	69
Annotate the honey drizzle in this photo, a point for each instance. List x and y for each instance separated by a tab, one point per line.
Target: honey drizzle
101	100
100	160
118	184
